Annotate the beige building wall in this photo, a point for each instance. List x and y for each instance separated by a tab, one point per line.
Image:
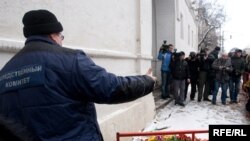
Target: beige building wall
116	34
174	22
164	29
186	38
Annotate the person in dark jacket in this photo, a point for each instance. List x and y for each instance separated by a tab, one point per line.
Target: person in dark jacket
180	73
244	56
247	75
51	90
247	90
222	67
193	65
204	68
238	65
212	56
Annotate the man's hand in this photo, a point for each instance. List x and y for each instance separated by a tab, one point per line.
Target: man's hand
150	74
188	80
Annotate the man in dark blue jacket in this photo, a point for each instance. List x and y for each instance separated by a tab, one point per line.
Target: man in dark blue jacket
51	90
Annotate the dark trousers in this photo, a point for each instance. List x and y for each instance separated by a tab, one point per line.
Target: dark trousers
234	87
203	82
193	87
179	90
165	81
224	87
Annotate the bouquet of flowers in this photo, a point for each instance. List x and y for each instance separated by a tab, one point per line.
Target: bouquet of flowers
180	137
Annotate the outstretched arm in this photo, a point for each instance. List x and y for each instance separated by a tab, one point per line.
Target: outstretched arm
97	85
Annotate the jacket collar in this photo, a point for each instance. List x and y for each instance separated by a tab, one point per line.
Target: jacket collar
38	38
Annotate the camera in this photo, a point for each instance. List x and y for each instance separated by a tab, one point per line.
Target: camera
164	48
175	50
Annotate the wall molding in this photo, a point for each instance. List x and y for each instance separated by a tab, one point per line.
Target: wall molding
13	46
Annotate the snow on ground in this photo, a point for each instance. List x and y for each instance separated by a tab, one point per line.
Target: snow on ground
198	116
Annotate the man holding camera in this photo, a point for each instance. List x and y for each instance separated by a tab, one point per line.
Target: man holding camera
165	55
222	67
238	69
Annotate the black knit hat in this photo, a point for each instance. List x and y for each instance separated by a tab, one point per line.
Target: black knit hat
217	48
182	53
177	54
238	50
40	22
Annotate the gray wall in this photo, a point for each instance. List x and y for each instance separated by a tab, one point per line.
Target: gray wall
164	28
116	34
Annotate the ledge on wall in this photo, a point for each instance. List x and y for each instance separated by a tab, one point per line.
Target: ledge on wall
13	46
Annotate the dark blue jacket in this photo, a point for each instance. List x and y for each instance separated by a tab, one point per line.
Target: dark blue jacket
52	90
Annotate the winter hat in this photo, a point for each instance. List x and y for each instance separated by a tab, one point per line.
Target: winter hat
192	53
217	48
182	53
40	22
177	54
238	50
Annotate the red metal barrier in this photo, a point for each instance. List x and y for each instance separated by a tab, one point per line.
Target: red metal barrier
133	134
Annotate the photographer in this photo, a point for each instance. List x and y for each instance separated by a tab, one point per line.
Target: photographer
222	67
238	69
165	55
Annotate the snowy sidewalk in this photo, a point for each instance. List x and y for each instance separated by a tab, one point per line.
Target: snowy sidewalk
159	102
198	115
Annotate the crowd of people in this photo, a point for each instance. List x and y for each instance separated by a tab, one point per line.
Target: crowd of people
206	72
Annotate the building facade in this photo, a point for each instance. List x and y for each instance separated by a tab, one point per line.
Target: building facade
174	21
122	36
117	35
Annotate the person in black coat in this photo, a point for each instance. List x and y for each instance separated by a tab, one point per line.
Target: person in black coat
180	73
193	65
238	65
